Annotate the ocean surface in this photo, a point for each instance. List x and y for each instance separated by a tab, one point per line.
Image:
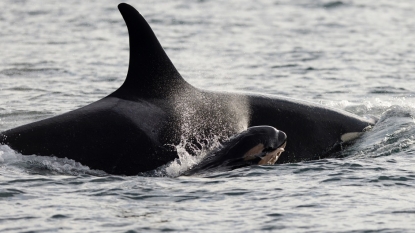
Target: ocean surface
56	56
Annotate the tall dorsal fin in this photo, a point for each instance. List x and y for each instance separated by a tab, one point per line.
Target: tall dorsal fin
150	72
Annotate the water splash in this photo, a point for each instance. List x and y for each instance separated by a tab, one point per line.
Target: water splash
195	112
187	159
392	135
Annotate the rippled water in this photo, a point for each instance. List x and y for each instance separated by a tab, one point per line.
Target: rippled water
353	55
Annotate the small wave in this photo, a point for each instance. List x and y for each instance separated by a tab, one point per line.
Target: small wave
16	72
333	4
34	164
389	90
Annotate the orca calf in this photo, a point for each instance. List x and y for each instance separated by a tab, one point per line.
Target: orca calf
136	128
258	145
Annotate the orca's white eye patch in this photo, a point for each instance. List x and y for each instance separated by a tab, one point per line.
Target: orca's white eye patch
350	136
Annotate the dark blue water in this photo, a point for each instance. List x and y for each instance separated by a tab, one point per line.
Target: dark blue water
353	55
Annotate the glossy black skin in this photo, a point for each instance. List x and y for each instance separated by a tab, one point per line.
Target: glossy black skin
231	154
133	129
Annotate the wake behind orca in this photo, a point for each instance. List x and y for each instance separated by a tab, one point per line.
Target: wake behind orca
136	128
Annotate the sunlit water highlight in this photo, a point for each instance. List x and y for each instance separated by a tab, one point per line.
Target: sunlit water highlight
352	55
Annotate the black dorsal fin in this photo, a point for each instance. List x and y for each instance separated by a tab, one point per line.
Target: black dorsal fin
150	72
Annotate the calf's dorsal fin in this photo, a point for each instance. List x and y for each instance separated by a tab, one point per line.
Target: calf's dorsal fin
150	72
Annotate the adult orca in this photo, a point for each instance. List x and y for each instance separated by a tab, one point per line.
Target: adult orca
136	128
258	145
